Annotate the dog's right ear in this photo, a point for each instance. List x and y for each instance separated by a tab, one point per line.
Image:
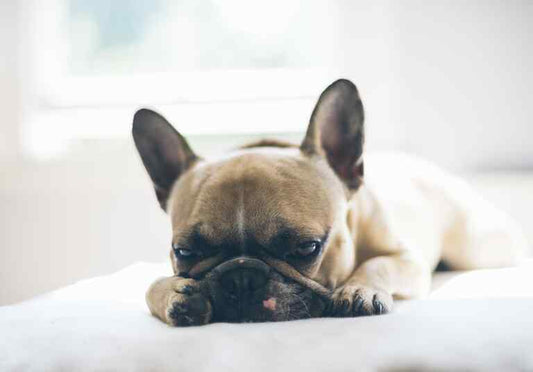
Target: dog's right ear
166	155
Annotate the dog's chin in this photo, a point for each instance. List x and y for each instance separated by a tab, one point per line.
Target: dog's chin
282	299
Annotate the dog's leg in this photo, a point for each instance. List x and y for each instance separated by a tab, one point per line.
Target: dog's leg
370	289
178	302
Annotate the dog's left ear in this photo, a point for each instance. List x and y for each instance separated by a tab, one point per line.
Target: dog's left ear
336	131
166	155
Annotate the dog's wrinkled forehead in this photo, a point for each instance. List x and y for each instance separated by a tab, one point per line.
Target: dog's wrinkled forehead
255	194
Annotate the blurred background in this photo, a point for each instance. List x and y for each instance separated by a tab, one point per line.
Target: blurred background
448	80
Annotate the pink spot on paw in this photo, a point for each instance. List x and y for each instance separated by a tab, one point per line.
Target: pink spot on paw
270	304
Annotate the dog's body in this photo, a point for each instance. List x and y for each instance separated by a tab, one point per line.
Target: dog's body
276	232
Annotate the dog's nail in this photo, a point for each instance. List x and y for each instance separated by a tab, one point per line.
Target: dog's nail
378	306
346	305
188	320
357	306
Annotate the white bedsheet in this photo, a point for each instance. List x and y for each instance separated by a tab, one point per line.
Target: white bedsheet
480	320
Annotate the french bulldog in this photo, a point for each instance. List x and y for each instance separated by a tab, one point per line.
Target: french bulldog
275	231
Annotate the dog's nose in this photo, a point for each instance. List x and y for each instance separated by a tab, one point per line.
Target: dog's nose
242	276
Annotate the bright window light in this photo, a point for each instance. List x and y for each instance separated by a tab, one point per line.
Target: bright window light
211	66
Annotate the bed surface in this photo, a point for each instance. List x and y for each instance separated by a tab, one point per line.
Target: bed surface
480	320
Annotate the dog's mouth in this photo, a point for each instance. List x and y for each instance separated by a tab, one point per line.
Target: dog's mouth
246	289
280	299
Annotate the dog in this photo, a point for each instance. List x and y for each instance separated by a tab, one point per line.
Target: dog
275	231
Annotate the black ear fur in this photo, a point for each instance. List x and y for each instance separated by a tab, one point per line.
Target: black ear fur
336	130
165	154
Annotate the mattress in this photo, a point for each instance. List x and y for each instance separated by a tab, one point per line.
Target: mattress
478	320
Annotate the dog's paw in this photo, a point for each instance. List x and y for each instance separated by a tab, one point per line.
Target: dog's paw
186	306
357	300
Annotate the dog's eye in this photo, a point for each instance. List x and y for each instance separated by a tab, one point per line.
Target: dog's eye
308	249
185	252
182	252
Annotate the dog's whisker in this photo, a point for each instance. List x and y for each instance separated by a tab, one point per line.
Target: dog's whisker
308	313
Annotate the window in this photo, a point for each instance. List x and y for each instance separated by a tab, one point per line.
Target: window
211	66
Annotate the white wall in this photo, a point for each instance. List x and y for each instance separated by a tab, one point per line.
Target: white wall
449	80
462	81
9	78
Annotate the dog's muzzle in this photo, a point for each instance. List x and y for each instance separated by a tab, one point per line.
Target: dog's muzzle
242	276
263	288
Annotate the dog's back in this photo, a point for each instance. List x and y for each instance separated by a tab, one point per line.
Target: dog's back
439	214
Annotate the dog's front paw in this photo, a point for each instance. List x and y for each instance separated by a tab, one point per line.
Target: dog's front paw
357	300
186	306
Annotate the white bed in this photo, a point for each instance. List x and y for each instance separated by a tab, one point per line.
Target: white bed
481	320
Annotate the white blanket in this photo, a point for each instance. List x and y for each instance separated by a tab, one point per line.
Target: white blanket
480	320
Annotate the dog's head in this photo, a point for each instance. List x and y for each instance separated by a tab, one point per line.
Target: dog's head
267	226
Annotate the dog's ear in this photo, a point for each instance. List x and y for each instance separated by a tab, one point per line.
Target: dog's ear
336	131
164	152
